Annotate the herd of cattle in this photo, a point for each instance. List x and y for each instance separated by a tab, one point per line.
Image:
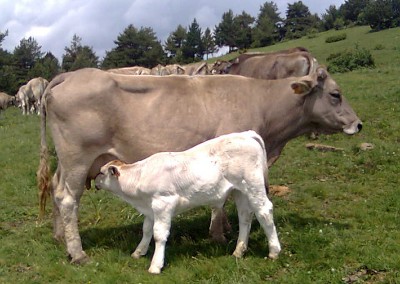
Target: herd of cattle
214	132
27	98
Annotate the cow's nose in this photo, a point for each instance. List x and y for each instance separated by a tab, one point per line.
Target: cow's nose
359	126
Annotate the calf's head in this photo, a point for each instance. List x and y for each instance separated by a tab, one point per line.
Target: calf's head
109	176
324	105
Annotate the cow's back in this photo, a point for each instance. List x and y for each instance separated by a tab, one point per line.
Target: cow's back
133	117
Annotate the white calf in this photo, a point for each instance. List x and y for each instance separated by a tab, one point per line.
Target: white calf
168	183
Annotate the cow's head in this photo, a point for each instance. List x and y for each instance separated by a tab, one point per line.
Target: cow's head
221	67
12	101
324	105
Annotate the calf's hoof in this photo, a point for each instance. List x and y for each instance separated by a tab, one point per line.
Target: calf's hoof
154	270
240	250
273	255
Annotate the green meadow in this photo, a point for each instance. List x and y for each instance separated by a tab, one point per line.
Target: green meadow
340	222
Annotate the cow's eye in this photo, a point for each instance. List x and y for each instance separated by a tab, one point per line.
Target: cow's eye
336	95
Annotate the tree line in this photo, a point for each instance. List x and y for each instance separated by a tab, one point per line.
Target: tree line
140	46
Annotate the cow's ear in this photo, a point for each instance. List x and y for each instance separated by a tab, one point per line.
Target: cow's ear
114	171
321	74
301	87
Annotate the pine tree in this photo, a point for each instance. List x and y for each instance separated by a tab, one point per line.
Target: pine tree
225	31
193	49
135	47
209	43
78	56
174	44
243	24
266	31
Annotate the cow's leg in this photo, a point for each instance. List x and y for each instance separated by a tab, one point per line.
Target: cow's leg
216	228
58	226
263	208
245	215
24	107
67	196
145	242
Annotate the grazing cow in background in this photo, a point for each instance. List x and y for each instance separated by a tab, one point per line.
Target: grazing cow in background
97	116
6	101
29	96
23	100
198	68
173	69
168	183
295	62
135	70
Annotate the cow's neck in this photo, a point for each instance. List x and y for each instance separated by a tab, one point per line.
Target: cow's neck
285	121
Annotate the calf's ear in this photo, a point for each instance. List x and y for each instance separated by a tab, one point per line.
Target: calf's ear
302	87
114	171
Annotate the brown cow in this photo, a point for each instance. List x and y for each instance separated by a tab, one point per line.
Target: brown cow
6	101
29	95
295	62
97	116
135	70
198	68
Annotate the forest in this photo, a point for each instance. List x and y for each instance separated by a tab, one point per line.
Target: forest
140	46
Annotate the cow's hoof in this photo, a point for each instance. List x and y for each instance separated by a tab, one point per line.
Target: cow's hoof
136	255
80	259
219	239
59	238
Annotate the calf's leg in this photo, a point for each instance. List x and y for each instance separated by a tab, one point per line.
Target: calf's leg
161	232
146	239
163	210
262	208
245	215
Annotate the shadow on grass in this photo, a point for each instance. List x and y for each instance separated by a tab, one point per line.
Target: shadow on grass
299	222
188	237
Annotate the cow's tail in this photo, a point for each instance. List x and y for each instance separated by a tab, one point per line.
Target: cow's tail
260	141
43	173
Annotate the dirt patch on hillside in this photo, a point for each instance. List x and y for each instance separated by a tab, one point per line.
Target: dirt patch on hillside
279	190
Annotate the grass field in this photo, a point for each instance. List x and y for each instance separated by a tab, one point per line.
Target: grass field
340	223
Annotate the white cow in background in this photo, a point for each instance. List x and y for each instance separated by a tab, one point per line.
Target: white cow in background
29	95
168	183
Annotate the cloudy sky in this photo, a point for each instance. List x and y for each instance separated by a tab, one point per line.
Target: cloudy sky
99	22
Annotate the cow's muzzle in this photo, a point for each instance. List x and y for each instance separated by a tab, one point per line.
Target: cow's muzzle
353	128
